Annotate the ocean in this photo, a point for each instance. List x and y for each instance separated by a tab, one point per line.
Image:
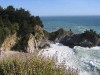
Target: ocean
77	24
85	60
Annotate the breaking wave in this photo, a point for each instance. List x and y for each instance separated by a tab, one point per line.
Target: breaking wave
85	60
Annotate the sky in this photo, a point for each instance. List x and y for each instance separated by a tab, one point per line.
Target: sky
56	7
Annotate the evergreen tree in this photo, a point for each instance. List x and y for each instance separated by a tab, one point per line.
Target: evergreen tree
1	22
17	21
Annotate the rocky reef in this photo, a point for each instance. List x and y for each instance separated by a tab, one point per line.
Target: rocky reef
87	39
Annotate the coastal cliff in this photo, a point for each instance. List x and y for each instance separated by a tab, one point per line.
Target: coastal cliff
20	31
9	42
28	43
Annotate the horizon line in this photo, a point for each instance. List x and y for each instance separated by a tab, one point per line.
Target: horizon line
67	15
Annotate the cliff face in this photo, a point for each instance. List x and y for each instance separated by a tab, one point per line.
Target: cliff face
9	42
32	44
33	41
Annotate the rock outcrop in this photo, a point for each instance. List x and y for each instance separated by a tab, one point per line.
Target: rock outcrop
86	39
33	41
37	41
59	34
9	42
32	44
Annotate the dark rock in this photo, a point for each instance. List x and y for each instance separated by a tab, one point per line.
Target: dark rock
70	41
86	39
59	34
86	43
97	42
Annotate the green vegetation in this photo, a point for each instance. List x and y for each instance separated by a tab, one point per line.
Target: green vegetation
90	35
21	44
34	66
18	21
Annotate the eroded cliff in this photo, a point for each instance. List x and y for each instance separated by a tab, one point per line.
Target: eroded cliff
9	42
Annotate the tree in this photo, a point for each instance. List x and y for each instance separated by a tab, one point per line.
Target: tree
10	9
1	9
1	22
38	21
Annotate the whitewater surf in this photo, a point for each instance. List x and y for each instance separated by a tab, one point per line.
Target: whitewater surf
85	60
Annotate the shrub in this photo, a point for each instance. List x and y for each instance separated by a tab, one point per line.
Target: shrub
34	66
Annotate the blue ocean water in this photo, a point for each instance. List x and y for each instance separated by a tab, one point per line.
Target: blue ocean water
78	24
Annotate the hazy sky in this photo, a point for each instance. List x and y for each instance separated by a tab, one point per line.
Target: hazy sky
56	7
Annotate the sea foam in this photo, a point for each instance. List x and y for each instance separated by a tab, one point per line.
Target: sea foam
85	60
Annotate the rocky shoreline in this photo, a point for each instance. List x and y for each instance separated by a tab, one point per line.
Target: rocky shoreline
20	31
87	39
43	40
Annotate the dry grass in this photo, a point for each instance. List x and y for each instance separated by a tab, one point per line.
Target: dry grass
28	64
